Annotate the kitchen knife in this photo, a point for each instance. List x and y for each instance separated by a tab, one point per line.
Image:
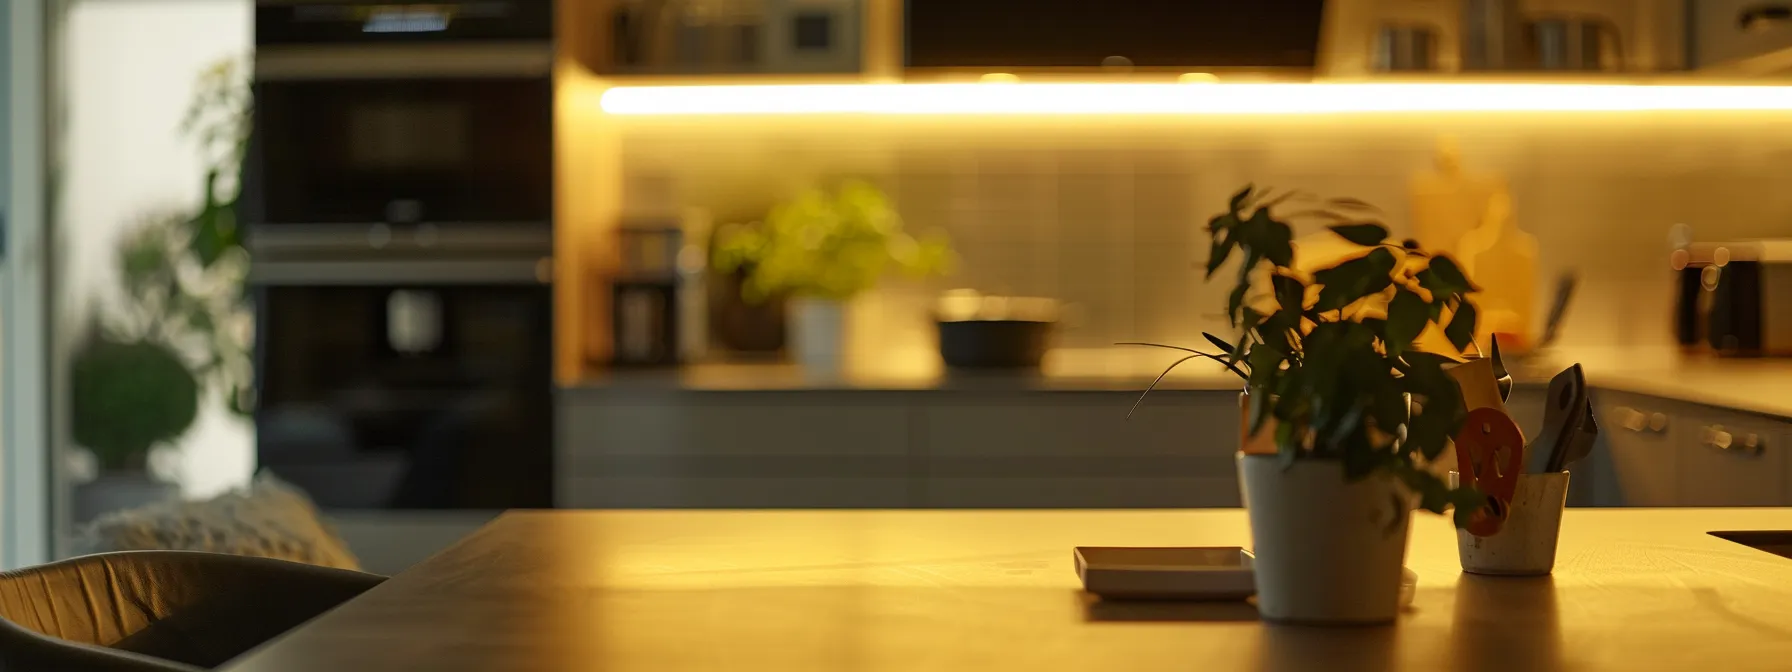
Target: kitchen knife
1499	372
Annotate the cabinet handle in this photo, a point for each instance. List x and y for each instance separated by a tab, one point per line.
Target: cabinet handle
1763	18
1638	421
1721	439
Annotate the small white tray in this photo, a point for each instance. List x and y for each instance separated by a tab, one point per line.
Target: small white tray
1190	573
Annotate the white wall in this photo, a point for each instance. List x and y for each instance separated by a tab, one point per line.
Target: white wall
131	68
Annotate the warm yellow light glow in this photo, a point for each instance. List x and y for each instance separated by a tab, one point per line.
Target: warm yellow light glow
1054	98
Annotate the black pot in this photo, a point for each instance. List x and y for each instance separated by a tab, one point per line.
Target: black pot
994	344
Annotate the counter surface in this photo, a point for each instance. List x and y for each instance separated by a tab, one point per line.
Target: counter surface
1760	386
957	590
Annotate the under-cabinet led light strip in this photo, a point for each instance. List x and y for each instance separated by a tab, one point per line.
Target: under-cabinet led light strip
1195	99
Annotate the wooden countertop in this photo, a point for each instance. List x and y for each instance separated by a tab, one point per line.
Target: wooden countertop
950	590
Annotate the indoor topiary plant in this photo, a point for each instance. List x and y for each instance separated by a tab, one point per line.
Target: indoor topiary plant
129	397
1354	413
820	250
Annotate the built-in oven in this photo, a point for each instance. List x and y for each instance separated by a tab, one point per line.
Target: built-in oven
402	113
408	396
398	204
409	377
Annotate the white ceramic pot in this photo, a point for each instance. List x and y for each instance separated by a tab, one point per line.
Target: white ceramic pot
1328	552
818	336
118	491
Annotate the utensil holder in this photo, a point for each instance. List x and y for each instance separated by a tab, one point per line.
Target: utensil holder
1526	543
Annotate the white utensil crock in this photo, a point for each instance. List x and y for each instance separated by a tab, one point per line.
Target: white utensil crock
1526	543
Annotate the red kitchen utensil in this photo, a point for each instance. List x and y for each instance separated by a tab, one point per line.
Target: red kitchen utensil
1489	456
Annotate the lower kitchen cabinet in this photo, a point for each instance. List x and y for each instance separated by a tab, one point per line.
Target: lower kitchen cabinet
802	449
1730	459
1078	450
1047	449
1667	453
924	449
1635	462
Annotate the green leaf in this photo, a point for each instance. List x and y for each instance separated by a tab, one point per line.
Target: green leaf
1259	406
1235	302
1266	364
1284	197
1390	409
1278	244
1347	433
1217	342
1238	199
1347	203
1225	240
1443	278
1352	280
1291	294
1443	414
1461	331
1407	316
1287	444
1275	332
1365	234
1243	347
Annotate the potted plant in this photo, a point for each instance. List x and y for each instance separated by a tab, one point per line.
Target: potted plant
820	250
183	330
129	397
1341	413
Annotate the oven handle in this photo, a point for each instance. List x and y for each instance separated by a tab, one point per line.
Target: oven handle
538	271
510	239
448	61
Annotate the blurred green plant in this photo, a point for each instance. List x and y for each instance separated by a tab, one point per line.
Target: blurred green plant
218	118
183	275
175	299
827	244
128	397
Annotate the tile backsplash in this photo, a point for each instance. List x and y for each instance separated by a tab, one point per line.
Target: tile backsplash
1106	213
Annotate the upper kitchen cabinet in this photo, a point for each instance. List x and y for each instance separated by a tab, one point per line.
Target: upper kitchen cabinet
1189	35
718	37
1741	37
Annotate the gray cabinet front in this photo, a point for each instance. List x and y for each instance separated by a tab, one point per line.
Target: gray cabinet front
1730	459
1078	450
758	450
1636	463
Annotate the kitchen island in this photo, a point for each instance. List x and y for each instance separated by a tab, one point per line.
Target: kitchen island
955	590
